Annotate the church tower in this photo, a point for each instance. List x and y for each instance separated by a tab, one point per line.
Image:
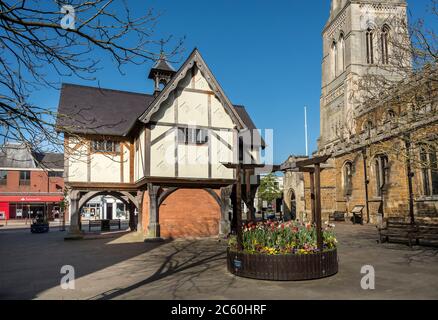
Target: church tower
355	42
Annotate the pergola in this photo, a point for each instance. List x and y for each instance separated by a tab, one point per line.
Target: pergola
312	166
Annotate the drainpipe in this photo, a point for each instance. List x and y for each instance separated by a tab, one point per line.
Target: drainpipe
366	181
410	176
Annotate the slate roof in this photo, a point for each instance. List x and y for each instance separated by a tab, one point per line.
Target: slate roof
92	110
243	114
50	160
18	156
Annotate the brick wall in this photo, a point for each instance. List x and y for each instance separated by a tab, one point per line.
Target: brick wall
189	213
186	213
39	182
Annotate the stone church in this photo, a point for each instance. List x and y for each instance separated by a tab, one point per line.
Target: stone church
383	146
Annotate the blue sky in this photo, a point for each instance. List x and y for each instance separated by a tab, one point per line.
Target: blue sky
265	54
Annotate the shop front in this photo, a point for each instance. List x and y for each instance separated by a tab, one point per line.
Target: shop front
28	207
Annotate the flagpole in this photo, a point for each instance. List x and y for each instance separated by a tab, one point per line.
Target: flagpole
305	130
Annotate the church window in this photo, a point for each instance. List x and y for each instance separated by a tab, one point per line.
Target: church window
391	115
381	169
341	54
384	44
370	46
334	61
348	178
429	168
368	126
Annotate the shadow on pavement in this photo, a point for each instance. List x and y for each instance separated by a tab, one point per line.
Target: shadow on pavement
31	263
187	258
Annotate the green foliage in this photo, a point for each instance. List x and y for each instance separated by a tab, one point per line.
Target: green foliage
268	190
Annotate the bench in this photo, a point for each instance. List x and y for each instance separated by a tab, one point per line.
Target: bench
116	223
397	230
427	233
337	216
104	225
94	224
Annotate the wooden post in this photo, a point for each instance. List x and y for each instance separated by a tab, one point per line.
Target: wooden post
249	200
239	207
318	206
312	196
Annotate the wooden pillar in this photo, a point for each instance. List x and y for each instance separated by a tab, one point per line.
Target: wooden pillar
132	222
249	197
318	206
224	226
74	230
154	216
239	207
234	204
139	199
312	196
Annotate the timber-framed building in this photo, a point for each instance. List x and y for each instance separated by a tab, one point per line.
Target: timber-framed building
162	154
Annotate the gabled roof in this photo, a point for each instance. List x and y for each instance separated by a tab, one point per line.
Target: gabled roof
194	58
49	160
92	110
15	155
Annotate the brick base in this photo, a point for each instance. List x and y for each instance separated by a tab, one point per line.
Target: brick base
186	213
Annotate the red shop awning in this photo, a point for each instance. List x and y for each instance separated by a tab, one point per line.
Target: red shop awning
31	198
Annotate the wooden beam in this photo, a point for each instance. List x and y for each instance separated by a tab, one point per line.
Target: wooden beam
239	208
131	161
312	196
298	165
312	161
102	186
243	166
185	182
318	207
122	179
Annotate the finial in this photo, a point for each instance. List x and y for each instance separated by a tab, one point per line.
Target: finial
162	48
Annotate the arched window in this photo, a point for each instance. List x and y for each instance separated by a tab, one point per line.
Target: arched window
429	170
381	167
370	46
391	115
368	126
341	54
348	179
334	62
384	44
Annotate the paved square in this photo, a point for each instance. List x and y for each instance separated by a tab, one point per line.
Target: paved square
126	268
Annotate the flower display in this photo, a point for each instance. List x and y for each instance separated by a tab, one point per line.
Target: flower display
279	238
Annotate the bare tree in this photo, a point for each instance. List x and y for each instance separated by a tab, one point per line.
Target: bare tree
64	38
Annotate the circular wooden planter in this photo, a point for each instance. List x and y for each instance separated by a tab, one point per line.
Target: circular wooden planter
283	267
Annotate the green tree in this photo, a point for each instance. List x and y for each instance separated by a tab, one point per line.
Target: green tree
269	189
